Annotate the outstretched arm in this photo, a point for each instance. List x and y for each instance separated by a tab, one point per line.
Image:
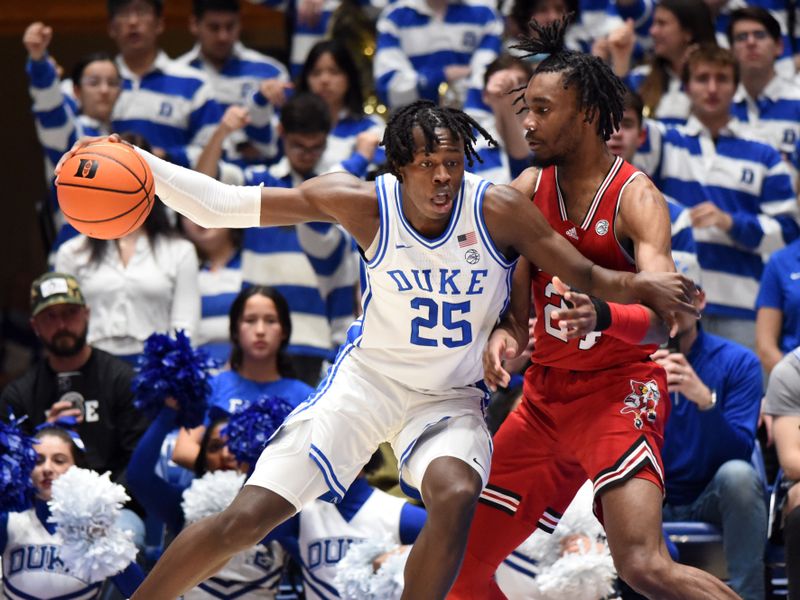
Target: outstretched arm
517	225
337	197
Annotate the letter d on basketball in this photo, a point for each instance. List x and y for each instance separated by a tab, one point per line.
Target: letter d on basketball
87	168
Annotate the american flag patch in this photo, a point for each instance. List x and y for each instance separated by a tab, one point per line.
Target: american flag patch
467	239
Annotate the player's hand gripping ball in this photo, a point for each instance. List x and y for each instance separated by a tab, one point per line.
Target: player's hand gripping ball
105	190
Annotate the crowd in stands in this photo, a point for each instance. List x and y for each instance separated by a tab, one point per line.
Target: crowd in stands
712	117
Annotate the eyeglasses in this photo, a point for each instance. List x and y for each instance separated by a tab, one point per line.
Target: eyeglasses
296	148
758	34
137	11
98	81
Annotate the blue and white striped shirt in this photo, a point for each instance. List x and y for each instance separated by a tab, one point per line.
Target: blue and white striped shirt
236	83
58	126
773	117
341	149
172	106
218	288
415	45
313	265
746	179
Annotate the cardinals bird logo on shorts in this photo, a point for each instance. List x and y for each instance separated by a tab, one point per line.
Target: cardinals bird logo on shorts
642	402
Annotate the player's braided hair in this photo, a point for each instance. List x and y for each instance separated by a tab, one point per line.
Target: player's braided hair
600	92
398	139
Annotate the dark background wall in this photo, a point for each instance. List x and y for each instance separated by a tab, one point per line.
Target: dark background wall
79	28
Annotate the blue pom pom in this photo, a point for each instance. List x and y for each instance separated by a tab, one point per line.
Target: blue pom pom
17	459
171	367
250	428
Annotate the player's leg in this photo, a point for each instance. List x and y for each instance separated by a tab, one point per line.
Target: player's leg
528	488
204	547
632	520
450	489
617	433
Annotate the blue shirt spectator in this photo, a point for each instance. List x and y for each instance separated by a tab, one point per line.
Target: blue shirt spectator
715	392
778	305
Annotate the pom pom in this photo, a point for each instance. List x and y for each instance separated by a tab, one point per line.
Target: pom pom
210	494
17	459
355	579
171	367
250	428
578	576
85	507
586	574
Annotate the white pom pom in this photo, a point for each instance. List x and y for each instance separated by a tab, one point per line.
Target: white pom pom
588	576
210	494
355	579
85	507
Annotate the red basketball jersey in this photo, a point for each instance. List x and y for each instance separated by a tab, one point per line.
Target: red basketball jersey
595	238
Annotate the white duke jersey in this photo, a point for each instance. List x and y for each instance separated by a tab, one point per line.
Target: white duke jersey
430	304
31	566
249	575
325	535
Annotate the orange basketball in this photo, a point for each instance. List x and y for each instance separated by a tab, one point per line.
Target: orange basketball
105	190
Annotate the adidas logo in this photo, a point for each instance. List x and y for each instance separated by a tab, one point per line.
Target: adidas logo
573	233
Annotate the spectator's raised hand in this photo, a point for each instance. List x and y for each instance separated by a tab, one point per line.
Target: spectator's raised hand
366	144
708	214
274	90
309	12
36	39
455	72
619	47
234	119
500	85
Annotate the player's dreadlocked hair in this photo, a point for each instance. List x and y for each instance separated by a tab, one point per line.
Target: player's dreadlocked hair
600	92
398	139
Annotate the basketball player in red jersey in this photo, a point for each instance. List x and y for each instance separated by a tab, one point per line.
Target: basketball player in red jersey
594	406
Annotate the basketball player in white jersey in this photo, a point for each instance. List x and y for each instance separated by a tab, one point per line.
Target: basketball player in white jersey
439	247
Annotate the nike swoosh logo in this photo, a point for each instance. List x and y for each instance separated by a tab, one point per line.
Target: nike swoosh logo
475	460
794	276
401	246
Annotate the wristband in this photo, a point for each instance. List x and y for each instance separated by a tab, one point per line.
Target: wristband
629	322
603	313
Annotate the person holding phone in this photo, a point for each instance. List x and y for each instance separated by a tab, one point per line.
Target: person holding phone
76	380
715	388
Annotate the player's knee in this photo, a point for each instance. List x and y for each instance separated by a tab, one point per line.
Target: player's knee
457	498
237	529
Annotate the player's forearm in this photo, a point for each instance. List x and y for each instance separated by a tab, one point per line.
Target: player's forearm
612	286
202	199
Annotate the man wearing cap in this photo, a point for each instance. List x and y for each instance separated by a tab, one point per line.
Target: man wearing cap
75	380
715	393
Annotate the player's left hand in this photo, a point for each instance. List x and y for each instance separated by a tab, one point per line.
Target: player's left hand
667	294
501	346
579	320
708	214
681	377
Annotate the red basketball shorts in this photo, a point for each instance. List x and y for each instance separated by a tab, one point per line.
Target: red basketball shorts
571	426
